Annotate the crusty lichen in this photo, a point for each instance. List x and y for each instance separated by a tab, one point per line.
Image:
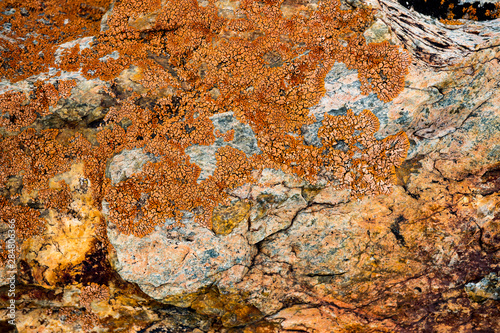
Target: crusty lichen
191	63
38	27
93	292
368	165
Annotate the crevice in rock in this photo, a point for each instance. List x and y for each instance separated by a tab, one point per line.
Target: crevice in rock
396	230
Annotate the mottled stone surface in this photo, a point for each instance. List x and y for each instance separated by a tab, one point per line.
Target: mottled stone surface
87	104
180	260
275	210
51	257
286	256
226	218
424	255
487	288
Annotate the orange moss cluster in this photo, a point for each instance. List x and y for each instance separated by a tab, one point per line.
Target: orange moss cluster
266	67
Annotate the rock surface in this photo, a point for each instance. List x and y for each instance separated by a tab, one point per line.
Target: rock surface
182	260
285	255
377	256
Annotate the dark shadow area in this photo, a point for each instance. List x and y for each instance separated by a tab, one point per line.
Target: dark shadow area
452	10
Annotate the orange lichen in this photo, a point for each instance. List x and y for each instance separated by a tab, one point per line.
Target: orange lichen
37	157
27	220
19	110
85	319
56	198
470	13
353	158
93	292
381	67
15	113
38	27
190	64
229	136
494	13
451	22
161	191
64	87
4	254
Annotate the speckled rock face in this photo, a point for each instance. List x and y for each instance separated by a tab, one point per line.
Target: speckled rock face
171	262
182	260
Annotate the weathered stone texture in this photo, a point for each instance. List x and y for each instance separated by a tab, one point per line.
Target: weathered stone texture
288	256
